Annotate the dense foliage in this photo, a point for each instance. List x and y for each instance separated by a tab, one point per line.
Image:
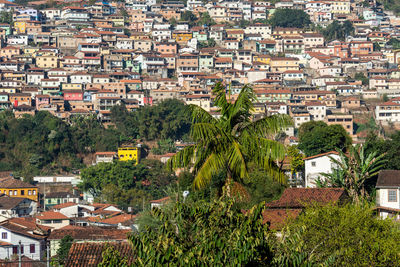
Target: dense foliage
63	250
203	234
393	5
354	169
317	137
34	144
126	184
361	77
231	142
290	18
169	119
44	144
390	147
349	235
338	31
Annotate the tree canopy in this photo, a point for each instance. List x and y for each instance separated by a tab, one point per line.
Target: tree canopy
232	141
45	144
316	137
168	119
354	169
349	235
201	234
338	31
290	18
126	184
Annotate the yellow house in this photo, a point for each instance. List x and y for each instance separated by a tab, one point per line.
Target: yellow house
47	61
8	90
17	188
117	21
31	50
129	153
341	7
20	26
282	64
14	76
266	59
71	86
182	37
235	34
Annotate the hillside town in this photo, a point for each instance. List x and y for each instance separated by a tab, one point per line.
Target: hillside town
325	65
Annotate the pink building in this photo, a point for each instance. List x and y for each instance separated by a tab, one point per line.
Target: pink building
73	95
42	100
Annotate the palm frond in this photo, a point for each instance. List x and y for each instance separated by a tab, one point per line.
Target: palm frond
220	101
236	161
206	132
210	167
274	171
182	159
269	126
199	115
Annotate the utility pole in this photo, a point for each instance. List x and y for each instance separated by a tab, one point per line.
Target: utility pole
19	254
48	254
44	197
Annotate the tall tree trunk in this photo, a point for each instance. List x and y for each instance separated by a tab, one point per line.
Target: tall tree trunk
227	187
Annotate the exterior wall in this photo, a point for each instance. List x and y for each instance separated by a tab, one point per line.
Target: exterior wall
56	224
345	120
323	164
30	193
129	153
382	198
13	238
388	113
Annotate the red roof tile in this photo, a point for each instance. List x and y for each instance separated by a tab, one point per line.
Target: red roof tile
91	254
276	218
293	198
51	215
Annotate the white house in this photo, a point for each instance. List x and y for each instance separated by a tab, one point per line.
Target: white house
74	210
387	193
31	236
13	207
81	77
388	111
52	219
159	202
315	165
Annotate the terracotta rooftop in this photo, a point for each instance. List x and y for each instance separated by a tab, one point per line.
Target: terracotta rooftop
51	215
388	178
322	154
91	254
161	200
121	218
298	198
14	183
90	233
276	218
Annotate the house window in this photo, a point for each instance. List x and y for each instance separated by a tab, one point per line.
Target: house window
34	192
32	248
22	249
392	195
29	192
15	249
3	235
313	164
15	192
22	192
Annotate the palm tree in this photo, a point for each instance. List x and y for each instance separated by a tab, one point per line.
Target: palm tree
232	141
354	169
